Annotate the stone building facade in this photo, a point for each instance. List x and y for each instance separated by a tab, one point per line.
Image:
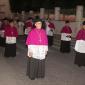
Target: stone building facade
4	8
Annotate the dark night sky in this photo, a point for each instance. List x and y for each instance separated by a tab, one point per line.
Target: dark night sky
18	5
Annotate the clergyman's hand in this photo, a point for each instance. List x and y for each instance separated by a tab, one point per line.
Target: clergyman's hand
45	52
30	54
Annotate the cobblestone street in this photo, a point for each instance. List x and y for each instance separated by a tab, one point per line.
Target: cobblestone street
60	69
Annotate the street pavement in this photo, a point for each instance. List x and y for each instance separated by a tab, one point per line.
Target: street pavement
60	68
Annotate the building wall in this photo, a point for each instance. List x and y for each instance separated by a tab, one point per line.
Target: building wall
4	8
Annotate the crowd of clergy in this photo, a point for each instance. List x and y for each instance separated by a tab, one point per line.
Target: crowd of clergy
39	35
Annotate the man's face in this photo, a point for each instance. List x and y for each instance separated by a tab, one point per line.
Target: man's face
38	25
83	26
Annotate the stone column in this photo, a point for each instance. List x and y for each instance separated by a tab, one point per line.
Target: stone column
23	16
5	7
79	16
31	13
42	13
56	18
57	13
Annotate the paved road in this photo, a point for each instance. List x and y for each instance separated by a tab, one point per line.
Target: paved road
60	69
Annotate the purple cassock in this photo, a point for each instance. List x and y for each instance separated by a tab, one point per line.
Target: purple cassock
65	39
80	41
10	34
80	48
37	43
66	33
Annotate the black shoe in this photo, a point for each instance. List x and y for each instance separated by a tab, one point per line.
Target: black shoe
32	78
79	65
